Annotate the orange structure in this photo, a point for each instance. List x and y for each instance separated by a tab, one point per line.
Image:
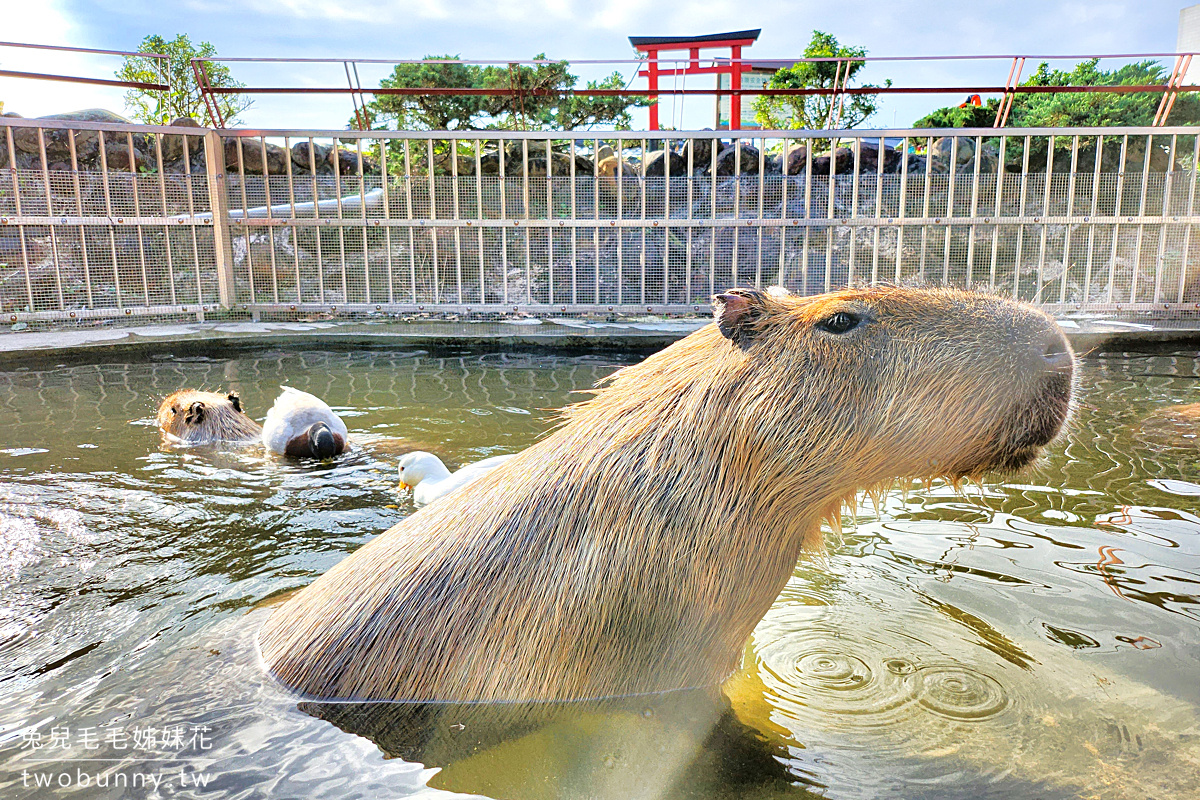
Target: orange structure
734	40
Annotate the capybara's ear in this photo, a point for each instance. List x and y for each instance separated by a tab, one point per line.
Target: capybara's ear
736	312
235	400
195	413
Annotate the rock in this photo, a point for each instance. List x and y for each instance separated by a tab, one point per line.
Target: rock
917	164
489	163
252	157
660	161
702	152
843	162
795	160
344	162
584	165
727	160
58	144
172	146
868	158
303	157
604	152
608	168
944	148
118	156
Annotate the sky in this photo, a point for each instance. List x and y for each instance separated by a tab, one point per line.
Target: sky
506	29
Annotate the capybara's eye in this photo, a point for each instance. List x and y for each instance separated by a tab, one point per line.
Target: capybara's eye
841	322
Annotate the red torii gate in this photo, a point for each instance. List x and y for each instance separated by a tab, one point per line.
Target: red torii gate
734	40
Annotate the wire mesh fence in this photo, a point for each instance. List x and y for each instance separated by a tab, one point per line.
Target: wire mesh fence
109	221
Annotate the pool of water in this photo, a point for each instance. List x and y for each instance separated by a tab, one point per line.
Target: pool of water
1039	637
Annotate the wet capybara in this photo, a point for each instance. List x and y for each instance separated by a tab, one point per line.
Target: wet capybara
635	548
1175	426
190	416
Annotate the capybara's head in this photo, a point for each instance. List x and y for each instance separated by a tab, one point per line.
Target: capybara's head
861	387
191	416
909	382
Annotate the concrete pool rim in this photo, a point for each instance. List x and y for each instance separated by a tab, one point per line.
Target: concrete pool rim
568	336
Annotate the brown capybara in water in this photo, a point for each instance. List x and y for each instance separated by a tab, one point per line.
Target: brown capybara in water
635	548
1177	426
190	416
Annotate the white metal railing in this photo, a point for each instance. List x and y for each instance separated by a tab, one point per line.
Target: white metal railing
102	220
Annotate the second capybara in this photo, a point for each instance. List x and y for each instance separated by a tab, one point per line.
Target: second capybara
190	416
1176	426
635	548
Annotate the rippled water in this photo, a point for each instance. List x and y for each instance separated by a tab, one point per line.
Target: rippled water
1035	638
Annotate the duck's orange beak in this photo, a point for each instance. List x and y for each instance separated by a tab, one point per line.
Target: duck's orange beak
404	485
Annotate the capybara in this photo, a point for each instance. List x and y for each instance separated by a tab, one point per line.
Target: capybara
635	548
1177	426
190	416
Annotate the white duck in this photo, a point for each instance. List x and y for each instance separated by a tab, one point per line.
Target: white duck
429	479
301	425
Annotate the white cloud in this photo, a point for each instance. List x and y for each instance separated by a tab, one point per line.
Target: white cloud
33	98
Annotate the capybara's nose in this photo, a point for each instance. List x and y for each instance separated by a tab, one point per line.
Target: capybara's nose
1054	349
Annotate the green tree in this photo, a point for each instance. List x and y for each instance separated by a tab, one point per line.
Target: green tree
812	111
434	111
184	98
543	102
964	116
1078	109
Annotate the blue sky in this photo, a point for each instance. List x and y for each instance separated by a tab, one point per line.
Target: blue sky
561	28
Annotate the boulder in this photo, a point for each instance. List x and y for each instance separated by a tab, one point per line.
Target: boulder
727	161
344	162
252	157
608	168
58	144
702	152
303	157
659	161
843	162
118	156
944	147
795	160
172	146
869	155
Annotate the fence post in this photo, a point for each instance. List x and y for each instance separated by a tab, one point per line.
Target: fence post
218	203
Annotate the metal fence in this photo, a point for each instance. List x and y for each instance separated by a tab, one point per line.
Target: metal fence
111	221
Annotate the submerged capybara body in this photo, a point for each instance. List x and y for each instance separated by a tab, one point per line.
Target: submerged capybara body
635	548
190	416
1176	426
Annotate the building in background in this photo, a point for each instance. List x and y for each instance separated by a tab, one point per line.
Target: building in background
755	77
1188	41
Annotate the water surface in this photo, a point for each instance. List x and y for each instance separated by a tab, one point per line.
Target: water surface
1038	637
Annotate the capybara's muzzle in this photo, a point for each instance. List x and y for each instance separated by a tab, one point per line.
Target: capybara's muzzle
1049	365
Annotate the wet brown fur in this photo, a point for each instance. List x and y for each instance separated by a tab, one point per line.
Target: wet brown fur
1177	426
635	548
190	416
